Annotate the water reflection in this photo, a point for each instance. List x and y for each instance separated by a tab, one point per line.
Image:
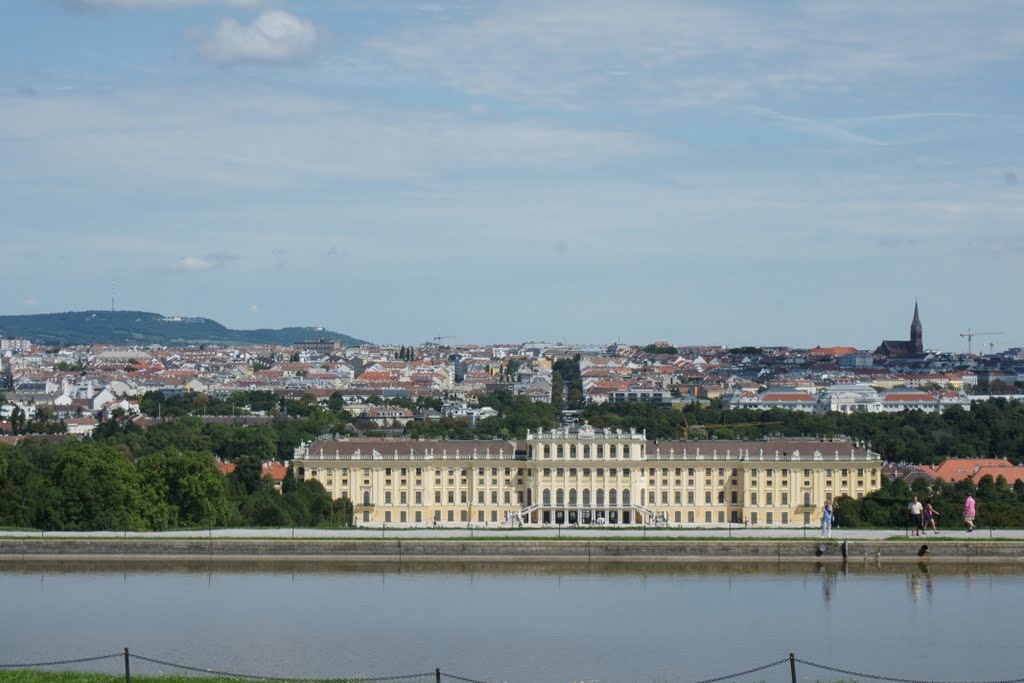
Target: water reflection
828	582
921	580
914	585
555	568
314	619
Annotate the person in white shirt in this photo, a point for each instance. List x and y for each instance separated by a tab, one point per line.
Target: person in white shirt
916	519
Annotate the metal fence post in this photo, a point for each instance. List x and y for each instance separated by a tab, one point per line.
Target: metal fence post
792	666
437	674
127	667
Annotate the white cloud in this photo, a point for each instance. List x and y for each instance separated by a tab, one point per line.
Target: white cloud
687	54
156	4
191	139
254	308
30	302
821	129
195	263
272	37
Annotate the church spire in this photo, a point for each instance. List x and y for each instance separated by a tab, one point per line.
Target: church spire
916	336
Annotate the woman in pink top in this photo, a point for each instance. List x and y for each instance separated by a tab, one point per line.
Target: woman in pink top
969	512
930	513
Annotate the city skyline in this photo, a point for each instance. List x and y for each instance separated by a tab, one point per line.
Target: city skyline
788	176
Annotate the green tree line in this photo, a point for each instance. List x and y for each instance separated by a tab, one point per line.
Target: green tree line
79	486
1000	504
989	429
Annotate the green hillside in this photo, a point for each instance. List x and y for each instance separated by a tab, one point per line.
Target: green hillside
138	327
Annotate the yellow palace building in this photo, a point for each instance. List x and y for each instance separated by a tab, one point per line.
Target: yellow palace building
585	475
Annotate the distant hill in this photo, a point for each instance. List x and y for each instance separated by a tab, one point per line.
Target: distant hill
140	328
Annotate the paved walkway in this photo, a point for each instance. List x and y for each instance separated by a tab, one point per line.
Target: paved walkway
703	533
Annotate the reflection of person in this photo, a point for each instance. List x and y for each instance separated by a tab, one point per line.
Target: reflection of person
915	587
916	521
969	512
828	584
826	520
930	513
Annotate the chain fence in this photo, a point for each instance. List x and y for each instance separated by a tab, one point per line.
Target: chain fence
59	662
882	677
738	674
437	676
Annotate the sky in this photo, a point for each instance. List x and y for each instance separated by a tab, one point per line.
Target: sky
785	173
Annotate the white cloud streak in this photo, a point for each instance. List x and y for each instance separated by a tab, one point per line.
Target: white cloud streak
192	138
691	54
273	37
157	4
195	263
822	129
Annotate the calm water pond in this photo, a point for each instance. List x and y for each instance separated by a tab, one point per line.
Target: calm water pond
496	622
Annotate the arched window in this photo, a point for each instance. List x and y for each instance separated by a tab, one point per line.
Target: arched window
611	451
586	451
807	500
613	498
366	497
625	496
546	497
572	451
547	451
559	497
586	497
572	496
558	453
600	450
600	497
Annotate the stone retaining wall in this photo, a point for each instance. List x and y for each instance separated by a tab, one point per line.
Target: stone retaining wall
386	549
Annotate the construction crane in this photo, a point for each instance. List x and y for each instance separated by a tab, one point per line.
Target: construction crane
687	427
970	334
440	338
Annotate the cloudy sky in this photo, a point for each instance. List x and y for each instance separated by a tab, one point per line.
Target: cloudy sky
788	173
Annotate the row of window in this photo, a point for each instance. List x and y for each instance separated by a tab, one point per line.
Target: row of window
599	498
403	499
653	471
691	517
613	451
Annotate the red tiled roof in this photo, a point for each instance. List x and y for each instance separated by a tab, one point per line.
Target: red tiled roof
789	396
957	469
275	470
1011	474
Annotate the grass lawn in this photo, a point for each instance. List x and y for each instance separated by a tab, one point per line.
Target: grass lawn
34	676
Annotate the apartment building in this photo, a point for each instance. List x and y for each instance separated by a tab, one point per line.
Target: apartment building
583	475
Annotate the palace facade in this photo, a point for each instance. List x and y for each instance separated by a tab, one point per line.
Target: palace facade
583	475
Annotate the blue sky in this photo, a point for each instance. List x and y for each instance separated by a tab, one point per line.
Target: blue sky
791	173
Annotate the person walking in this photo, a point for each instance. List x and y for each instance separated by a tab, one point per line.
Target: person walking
930	513
826	520
969	512
916	521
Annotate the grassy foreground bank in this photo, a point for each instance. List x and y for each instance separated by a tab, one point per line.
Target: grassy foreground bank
77	677
32	676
